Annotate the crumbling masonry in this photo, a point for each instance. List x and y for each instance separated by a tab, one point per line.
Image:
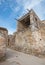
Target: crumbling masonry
30	35
3	42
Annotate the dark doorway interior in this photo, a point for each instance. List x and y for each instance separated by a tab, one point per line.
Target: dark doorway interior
26	21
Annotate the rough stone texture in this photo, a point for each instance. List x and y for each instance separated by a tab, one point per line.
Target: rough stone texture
11	41
26	43
3	42
30	35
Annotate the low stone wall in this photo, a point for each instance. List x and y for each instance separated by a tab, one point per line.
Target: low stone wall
3	42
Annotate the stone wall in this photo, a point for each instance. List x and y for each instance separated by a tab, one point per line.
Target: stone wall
30	35
29	43
25	42
11	41
3	41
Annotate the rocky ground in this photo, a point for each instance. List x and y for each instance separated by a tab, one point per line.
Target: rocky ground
19	58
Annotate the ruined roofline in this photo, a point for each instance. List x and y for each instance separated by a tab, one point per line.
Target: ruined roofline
2	28
24	16
27	14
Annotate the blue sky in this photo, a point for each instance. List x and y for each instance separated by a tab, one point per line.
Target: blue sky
11	9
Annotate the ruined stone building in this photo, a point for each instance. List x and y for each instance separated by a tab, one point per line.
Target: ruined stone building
30	34
29	37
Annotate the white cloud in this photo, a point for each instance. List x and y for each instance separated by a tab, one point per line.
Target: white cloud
11	4
16	9
12	31
32	4
25	4
40	10
28	4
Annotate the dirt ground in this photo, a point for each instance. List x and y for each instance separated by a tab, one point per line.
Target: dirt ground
18	58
